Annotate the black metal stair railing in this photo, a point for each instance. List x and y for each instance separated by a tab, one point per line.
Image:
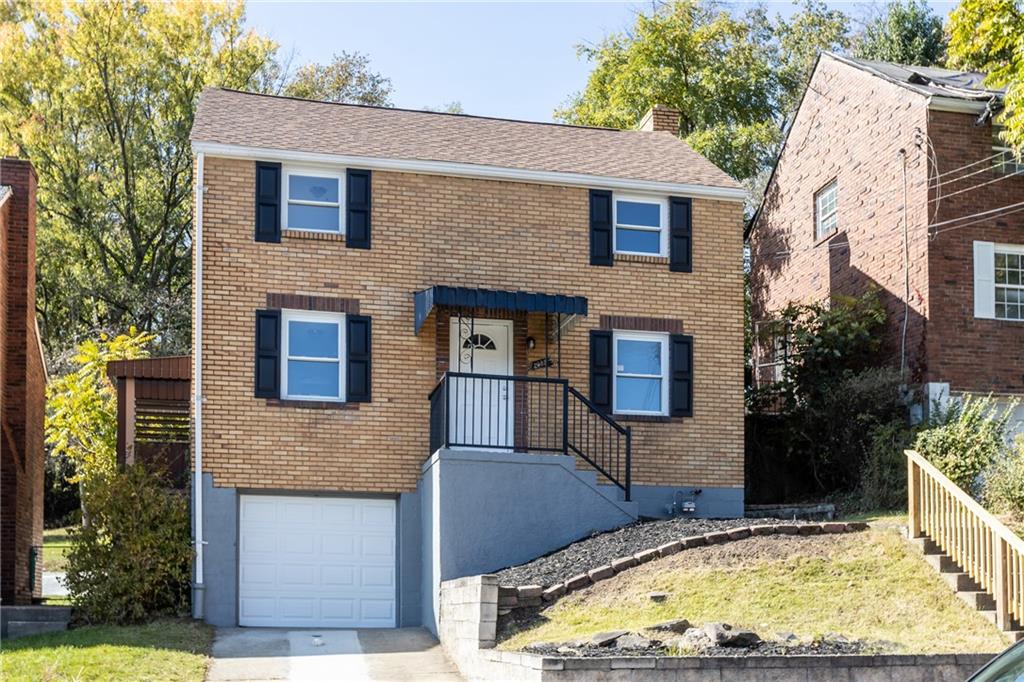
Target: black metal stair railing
528	414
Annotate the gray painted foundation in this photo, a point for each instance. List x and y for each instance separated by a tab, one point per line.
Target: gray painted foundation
484	510
473	512
220	555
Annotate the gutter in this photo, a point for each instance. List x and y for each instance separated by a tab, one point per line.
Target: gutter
471	170
198	587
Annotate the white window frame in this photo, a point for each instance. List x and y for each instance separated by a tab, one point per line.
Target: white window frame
640	336
288	316
662	202
1006	163
1006	249
318	173
819	218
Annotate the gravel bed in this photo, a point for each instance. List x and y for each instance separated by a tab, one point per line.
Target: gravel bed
600	549
839	647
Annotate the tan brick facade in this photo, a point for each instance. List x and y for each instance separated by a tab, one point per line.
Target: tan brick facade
851	127
430	230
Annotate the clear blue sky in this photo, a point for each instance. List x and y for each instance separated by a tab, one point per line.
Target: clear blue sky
510	59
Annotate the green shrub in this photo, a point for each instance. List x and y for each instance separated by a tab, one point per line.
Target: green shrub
133	561
963	440
1004	484
884	482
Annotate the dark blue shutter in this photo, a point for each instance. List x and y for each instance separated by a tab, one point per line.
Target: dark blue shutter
357	209
600	227
357	373
268	353
680	235
268	202
681	375
601	374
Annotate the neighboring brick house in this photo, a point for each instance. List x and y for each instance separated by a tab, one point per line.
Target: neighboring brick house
22	389
833	221
346	254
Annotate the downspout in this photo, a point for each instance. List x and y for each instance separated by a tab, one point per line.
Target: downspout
198	588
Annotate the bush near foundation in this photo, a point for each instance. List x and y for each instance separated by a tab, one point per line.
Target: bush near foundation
133	561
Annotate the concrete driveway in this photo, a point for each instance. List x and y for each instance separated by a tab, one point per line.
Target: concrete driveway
400	655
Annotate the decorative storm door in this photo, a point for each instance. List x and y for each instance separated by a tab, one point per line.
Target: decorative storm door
480	408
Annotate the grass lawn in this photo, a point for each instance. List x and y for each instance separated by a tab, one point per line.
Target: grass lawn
170	650
55	547
869	585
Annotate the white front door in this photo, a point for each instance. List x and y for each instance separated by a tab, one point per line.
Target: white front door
480	410
316	561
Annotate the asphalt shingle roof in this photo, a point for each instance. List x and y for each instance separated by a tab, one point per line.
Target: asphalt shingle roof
5	191
285	123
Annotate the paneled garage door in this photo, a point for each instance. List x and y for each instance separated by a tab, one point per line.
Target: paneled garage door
316	562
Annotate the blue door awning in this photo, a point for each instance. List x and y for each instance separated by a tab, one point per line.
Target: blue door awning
514	301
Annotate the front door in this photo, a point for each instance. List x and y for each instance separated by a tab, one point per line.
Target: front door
480	409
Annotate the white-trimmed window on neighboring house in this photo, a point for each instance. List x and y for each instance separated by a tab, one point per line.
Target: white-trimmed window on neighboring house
826	210
641	373
313	348
1009	283
641	225
313	200
1004	160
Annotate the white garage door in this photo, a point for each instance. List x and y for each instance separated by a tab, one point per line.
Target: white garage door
316	562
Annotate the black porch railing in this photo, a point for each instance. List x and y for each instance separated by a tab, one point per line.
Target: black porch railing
528	414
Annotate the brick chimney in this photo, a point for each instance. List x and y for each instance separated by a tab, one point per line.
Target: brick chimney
659	117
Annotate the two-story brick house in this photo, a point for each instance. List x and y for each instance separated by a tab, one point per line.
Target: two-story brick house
894	176
430	345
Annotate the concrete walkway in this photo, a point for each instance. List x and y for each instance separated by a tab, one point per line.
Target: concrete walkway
400	655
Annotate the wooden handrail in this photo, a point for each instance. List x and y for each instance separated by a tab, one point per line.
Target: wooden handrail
998	526
979	543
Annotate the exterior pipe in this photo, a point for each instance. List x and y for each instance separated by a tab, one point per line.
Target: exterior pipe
198	588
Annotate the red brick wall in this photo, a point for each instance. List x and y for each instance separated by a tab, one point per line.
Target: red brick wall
23	380
977	355
850	127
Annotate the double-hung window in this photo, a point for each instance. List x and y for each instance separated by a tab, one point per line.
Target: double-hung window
313	200
641	365
1009	281
826	210
640	224
313	348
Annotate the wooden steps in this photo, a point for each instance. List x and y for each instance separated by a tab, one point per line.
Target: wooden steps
965	588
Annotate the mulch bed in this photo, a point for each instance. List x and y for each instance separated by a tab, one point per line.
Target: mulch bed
599	550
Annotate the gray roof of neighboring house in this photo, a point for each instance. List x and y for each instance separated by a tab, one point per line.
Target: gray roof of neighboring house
928	80
285	123
5	191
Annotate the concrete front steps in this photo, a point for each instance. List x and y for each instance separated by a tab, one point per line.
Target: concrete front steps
21	621
963	585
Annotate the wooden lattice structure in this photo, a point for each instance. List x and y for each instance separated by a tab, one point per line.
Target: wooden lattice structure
153	417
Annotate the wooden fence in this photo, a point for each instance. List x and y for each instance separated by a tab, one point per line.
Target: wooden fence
986	550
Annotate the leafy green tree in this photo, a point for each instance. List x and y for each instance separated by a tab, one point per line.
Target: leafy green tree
735	78
347	78
905	33
100	97
988	35
81	407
